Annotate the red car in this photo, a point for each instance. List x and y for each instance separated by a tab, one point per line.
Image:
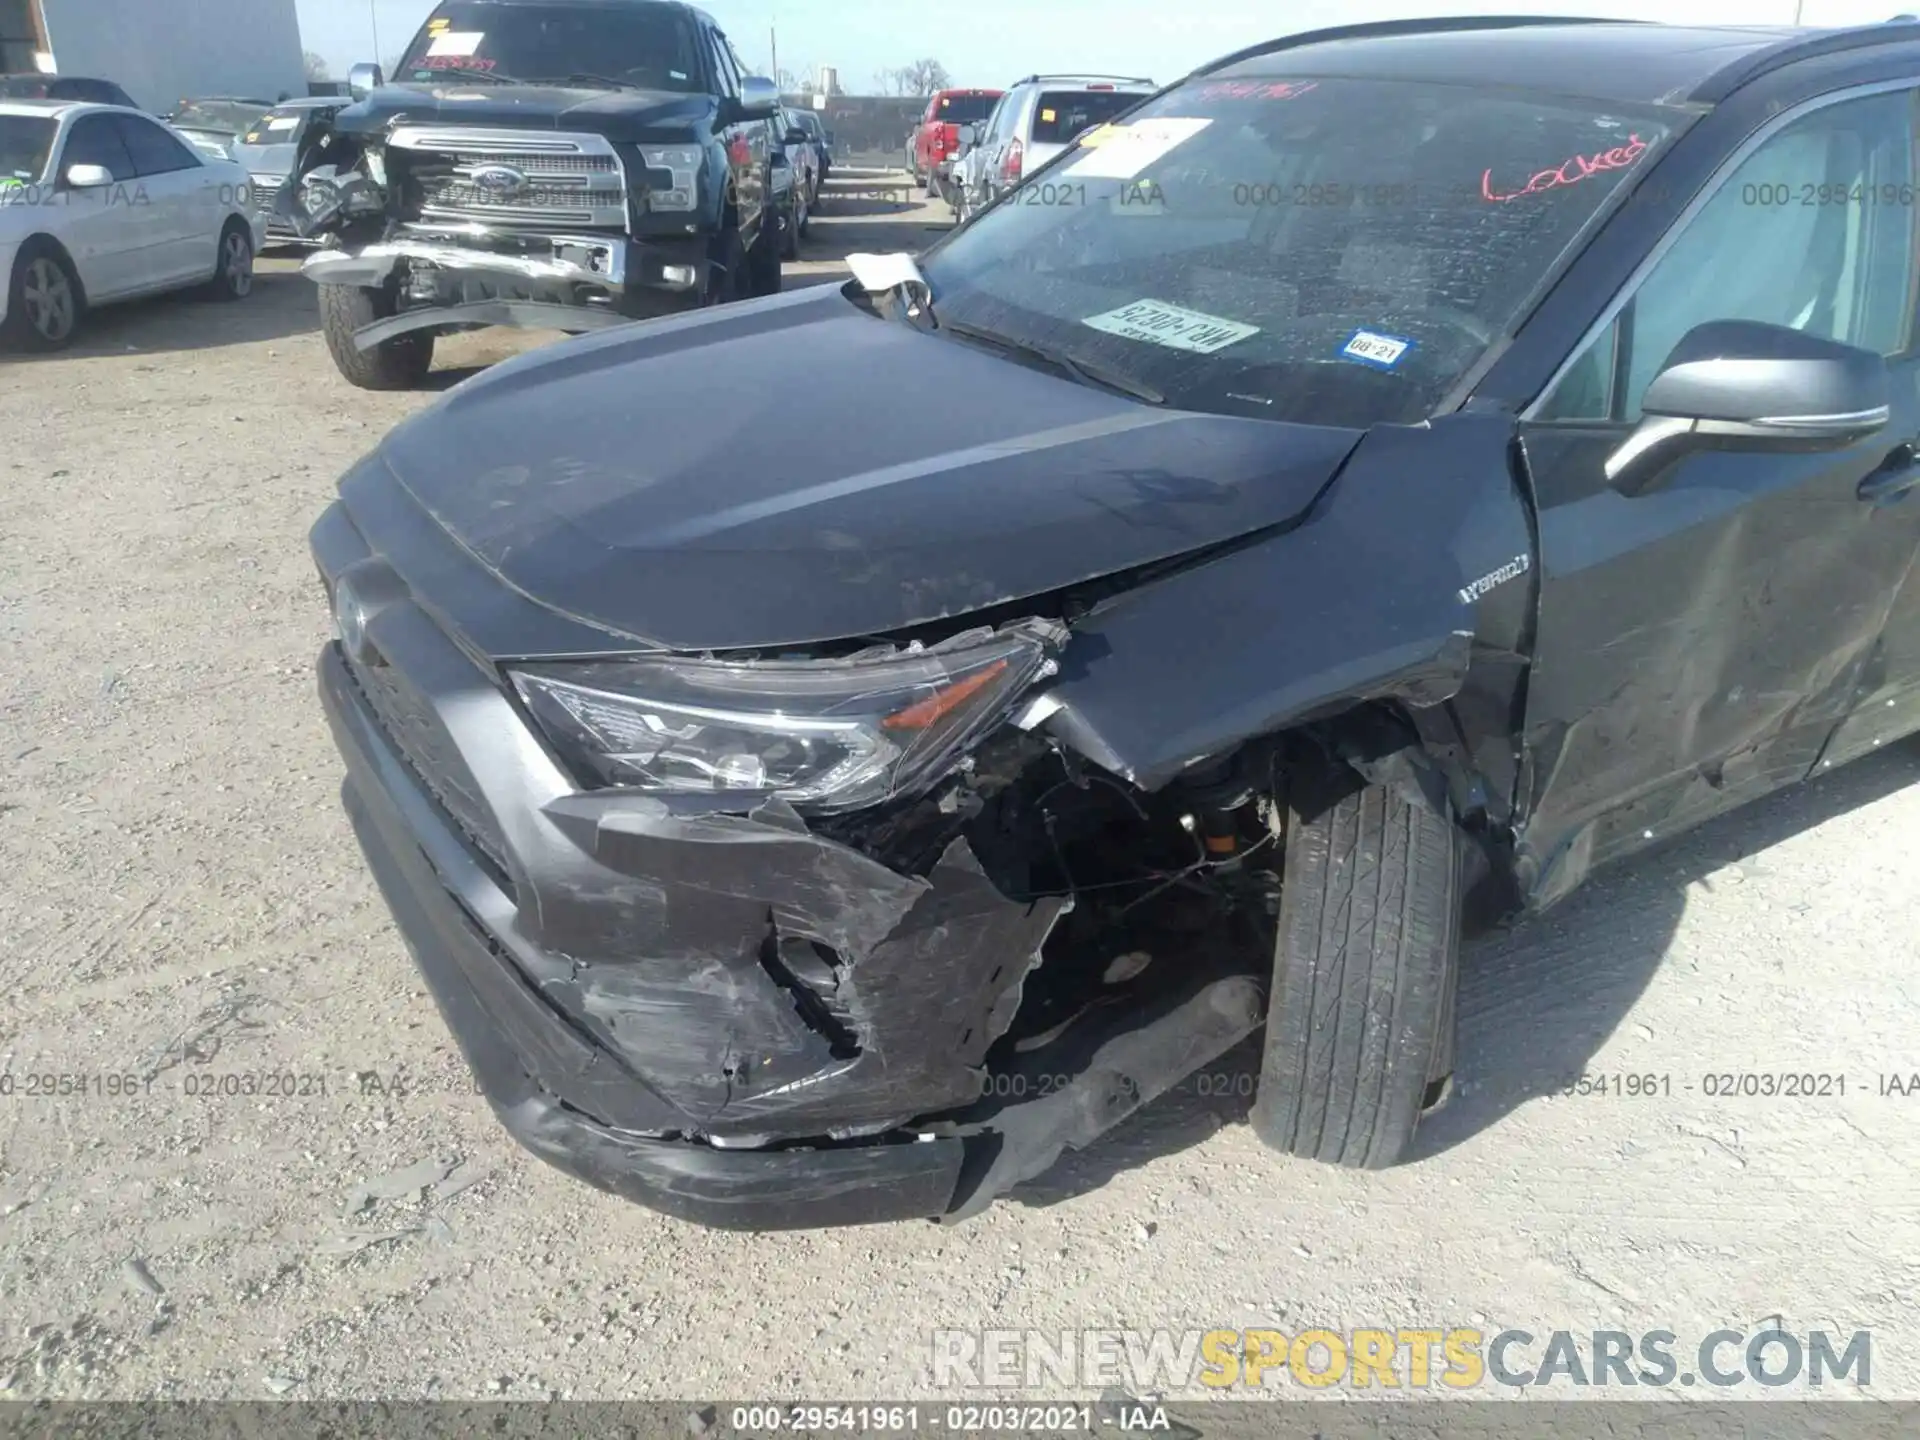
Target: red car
936	139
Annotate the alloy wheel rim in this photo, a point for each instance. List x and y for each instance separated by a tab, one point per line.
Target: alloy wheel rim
239	265
48	298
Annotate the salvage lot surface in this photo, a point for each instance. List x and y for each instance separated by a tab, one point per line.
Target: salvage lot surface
183	903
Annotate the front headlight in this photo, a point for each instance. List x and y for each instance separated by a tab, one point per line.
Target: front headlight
682	164
824	735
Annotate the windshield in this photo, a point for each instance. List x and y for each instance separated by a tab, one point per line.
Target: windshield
964	109
1339	251
1059	115
279	126
26	141
648	46
227	117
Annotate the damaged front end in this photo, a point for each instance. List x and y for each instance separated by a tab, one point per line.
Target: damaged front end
894	1007
456	226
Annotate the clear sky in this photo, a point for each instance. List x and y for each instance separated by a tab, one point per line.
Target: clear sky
990	42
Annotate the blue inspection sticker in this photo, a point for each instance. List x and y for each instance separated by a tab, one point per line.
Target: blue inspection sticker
1369	347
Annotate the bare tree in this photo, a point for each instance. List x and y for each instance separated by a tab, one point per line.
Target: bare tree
316	66
923	77
784	81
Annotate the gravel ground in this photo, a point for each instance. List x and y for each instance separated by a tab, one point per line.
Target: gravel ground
182	901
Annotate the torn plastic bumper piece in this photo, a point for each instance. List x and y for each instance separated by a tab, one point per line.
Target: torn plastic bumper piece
526	314
645	1018
582	260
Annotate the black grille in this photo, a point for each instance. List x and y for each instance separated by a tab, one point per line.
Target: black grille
423	742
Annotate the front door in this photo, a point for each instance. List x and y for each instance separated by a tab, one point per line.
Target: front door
1699	643
114	241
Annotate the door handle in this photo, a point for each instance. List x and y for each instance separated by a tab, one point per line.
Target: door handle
1896	476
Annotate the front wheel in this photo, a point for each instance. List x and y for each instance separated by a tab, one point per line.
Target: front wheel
1361	1013
43	300
397	364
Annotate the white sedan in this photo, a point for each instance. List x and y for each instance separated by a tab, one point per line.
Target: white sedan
100	203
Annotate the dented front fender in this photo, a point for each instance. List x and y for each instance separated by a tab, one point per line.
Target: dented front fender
1390	588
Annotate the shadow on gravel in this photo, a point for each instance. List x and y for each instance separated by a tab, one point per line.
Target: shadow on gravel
283	304
1537	999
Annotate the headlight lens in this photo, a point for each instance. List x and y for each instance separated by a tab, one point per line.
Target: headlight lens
825	736
682	163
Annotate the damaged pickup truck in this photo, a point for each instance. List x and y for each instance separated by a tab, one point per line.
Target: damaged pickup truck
558	164
1387	485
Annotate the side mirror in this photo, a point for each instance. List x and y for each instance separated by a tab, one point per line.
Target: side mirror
89	177
759	98
363	79
968	137
1743	385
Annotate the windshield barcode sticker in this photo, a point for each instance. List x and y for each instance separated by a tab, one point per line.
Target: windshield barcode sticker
1382	351
459	43
1159	323
1120	152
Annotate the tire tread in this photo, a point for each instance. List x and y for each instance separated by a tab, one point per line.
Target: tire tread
1367	939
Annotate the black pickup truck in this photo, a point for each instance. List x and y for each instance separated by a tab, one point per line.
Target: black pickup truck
557	164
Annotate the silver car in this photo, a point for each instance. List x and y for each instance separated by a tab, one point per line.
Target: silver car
268	148
1035	120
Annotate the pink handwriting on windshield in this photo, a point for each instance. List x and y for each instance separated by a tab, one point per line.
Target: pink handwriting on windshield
1572	172
1257	89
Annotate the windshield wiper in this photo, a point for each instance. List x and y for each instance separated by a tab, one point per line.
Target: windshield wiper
1085	371
459	73
587	77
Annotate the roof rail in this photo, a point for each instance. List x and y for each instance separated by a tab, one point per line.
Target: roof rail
1751	67
1124	79
1438	24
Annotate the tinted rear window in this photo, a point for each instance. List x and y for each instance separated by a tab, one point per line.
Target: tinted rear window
965	109
25	141
226	117
1062	114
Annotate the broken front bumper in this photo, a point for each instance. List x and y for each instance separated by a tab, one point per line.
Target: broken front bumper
722	1016
564	282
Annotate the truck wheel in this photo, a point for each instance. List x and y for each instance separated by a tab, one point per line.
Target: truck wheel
763	261
1362	1002
726	269
398	364
44	300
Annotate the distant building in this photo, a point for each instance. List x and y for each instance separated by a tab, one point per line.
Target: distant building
160	51
829	81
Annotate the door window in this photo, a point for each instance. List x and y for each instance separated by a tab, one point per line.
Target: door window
1814	230
723	67
95	140
154	151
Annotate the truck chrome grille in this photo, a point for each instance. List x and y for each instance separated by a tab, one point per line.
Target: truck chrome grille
514	180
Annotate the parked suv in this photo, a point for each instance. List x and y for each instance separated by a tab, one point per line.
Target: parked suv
563	164
1036	119
936	139
1415	463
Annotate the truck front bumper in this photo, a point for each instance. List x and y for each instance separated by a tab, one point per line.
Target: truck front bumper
564	282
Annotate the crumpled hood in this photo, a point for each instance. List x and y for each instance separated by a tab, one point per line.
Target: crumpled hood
619	115
796	470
